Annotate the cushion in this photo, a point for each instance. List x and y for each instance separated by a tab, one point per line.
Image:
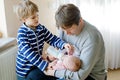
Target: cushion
6	43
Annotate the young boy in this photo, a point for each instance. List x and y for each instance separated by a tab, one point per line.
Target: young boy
31	38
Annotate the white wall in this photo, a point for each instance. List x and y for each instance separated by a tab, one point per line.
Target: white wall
8	21
2	19
11	19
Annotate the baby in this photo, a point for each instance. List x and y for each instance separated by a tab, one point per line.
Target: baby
63	61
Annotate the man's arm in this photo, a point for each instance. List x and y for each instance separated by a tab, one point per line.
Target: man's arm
89	57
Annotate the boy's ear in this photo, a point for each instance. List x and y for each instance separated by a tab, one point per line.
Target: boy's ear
23	19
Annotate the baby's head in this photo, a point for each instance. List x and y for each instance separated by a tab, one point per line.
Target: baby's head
25	9
71	63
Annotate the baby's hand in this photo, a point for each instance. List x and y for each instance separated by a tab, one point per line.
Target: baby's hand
51	64
69	48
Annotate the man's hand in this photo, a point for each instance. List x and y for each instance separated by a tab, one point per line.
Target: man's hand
69	48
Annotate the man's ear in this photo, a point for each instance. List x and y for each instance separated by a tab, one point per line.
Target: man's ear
80	20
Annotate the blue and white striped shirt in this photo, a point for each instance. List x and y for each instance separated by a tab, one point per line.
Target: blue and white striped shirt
30	46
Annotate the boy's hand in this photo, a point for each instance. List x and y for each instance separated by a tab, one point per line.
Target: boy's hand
69	48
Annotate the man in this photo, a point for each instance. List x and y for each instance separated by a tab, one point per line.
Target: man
87	39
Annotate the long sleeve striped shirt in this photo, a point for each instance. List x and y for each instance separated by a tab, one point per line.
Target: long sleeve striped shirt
30	46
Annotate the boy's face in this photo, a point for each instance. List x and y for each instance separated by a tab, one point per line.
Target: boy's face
32	21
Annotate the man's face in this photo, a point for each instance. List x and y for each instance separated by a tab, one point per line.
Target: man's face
74	29
71	31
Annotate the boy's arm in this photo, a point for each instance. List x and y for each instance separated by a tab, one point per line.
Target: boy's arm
53	40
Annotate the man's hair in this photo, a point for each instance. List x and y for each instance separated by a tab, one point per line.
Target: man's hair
67	15
25	8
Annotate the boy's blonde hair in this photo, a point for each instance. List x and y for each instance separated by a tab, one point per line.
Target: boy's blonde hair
25	8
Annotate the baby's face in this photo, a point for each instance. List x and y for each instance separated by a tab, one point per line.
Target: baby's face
68	62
